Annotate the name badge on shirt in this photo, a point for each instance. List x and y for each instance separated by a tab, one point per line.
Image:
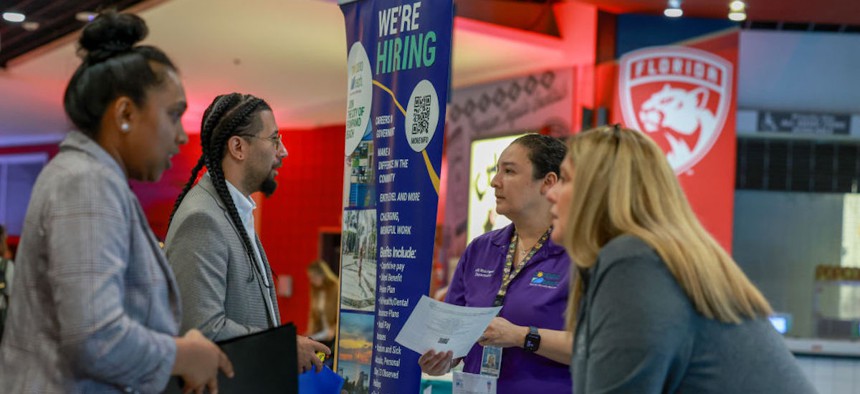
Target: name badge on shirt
491	361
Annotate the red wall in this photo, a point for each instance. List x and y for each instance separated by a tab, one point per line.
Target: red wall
309	197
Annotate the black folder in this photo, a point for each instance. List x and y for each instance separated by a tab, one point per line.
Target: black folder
264	362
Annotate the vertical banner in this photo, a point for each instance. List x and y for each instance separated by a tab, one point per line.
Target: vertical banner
398	77
684	98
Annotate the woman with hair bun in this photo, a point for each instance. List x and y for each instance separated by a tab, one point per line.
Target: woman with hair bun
96	307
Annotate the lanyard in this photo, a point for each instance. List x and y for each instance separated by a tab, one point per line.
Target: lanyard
510	272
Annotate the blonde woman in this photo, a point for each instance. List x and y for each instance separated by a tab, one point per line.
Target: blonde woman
322	321
657	305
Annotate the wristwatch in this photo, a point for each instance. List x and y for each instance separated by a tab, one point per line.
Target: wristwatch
532	342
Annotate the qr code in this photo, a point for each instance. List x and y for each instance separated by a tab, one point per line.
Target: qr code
421	118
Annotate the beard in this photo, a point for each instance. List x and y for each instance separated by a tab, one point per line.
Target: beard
269	185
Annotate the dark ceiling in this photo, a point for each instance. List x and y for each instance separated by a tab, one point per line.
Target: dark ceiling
828	12
55	19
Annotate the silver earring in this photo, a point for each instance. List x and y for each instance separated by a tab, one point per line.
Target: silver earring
124	127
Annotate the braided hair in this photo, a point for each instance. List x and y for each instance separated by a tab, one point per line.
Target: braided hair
228	115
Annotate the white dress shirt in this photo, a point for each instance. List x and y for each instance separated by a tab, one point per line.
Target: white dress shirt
245	205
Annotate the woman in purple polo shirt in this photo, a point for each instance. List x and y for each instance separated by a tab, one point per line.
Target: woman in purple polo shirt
521	269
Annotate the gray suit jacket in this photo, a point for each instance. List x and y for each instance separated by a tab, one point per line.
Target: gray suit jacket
96	306
222	292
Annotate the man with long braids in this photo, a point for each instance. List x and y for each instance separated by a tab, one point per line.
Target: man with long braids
222	270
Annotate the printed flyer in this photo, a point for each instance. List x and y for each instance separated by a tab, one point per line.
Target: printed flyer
398	67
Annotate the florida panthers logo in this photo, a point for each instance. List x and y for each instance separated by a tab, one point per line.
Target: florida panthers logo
678	95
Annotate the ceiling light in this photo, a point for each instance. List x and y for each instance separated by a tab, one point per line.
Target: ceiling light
14	17
673	12
673	9
738	16
85	16
738	11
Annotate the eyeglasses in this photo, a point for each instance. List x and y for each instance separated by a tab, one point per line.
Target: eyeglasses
275	139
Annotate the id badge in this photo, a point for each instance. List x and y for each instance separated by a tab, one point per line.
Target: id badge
491	361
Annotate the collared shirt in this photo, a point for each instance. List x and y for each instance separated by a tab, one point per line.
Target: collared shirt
536	297
245	206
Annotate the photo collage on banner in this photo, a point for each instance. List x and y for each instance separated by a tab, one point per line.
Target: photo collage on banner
398	66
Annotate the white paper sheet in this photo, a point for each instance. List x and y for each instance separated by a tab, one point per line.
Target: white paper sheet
468	383
435	325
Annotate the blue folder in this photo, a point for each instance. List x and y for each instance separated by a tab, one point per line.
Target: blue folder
322	382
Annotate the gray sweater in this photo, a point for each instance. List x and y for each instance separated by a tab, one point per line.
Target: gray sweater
637	332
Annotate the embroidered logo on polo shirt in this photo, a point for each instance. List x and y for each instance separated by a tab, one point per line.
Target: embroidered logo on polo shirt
546	279
483	273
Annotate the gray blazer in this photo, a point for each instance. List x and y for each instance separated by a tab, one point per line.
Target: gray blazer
96	306
222	292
